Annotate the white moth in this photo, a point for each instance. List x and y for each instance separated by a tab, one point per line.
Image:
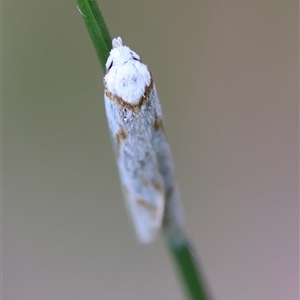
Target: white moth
136	124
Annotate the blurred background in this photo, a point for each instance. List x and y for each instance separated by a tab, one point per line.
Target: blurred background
227	77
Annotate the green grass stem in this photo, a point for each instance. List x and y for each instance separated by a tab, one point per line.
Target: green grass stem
97	28
182	255
186	264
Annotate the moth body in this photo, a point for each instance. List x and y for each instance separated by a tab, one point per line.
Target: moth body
136	126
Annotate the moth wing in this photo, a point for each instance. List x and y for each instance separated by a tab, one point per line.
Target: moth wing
147	217
143	185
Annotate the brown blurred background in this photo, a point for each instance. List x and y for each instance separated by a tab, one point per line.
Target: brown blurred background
227	76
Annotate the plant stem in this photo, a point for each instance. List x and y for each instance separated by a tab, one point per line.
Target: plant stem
186	264
97	28
181	253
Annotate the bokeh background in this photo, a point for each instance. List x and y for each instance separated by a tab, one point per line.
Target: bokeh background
227	76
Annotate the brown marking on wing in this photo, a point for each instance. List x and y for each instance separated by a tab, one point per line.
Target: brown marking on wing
133	107
121	135
156	211
145	204
157	186
158	124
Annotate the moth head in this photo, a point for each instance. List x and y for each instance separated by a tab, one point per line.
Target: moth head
120	54
126	76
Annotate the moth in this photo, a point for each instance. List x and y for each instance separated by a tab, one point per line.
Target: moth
141	149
